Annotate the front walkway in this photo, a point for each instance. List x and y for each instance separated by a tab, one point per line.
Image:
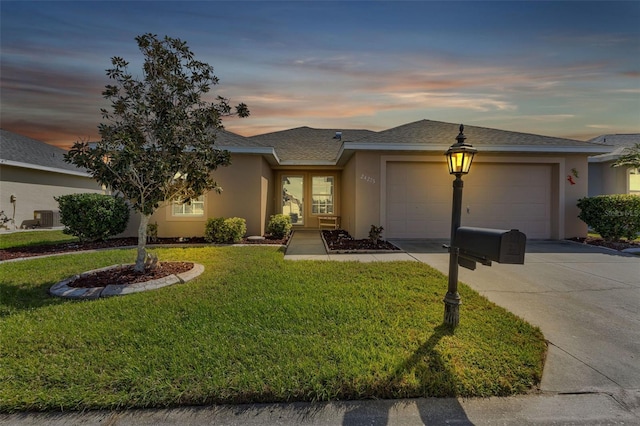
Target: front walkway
308	245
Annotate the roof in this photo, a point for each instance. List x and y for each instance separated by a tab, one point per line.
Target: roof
617	145
427	135
224	138
21	151
309	146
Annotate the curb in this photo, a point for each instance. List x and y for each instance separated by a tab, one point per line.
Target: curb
62	289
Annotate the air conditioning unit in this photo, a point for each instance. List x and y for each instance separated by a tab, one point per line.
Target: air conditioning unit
47	218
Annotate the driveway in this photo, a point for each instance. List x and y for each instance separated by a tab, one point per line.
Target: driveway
586	300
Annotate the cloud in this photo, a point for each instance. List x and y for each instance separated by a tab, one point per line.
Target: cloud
479	102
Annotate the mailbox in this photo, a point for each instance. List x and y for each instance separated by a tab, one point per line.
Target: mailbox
486	245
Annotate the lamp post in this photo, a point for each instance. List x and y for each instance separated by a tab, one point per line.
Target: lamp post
459	158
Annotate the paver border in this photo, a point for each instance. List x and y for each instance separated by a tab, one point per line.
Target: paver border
62	288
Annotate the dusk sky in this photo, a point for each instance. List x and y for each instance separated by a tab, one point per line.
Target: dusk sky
566	69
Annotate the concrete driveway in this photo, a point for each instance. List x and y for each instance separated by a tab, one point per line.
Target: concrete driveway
586	300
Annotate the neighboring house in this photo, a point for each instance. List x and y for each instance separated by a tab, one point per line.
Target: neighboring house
31	174
397	179
605	179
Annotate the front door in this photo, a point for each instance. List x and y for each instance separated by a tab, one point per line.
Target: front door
293	198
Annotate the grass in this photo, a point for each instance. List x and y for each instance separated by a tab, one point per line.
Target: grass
34	238
253	328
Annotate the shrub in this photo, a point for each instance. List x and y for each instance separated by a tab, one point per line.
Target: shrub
221	230
93	217
152	232
279	226
374	233
612	216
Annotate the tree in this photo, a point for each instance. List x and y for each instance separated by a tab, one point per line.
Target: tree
631	158
158	143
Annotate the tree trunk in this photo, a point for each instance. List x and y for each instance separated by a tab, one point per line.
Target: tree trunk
142	242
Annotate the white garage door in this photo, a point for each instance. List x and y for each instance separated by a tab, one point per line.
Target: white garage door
496	195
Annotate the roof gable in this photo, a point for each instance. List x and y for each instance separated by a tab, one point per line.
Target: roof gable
306	145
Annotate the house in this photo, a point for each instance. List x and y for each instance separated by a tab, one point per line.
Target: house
31	174
395	178
605	179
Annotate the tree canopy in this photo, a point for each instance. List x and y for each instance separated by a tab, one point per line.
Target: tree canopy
630	158
157	144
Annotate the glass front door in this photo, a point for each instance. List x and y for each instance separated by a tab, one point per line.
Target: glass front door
293	198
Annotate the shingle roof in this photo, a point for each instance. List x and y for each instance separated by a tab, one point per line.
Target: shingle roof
15	148
427	132
618	144
304	145
625	139
228	139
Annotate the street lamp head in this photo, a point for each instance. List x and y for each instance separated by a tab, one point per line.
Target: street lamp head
460	155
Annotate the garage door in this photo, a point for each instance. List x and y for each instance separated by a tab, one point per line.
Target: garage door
496	195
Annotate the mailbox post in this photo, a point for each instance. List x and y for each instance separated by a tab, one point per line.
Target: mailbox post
469	245
459	158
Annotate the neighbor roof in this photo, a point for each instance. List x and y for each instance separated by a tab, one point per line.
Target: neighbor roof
617	145
21	151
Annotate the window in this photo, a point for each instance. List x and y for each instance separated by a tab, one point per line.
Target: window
191	209
322	195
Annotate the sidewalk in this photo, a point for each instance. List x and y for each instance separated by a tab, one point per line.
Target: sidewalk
584	409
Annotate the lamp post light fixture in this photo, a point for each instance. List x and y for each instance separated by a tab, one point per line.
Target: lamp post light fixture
459	158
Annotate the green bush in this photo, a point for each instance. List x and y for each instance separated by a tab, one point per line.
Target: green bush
374	233
93	217
279	226
612	216
221	230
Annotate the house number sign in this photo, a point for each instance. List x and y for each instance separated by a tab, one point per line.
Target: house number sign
367	178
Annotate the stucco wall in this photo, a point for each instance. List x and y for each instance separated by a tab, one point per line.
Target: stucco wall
245	193
604	179
35	189
348	199
574	164
366	193
595	179
267	197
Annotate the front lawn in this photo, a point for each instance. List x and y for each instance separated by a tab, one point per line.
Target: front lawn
34	238
253	328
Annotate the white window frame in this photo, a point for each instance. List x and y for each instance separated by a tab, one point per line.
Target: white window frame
317	205
199	201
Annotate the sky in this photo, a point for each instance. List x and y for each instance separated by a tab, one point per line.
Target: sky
559	68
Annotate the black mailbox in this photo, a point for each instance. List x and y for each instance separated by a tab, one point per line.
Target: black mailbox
486	245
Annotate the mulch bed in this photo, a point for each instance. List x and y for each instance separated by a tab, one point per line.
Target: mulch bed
30	251
340	241
125	275
615	245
